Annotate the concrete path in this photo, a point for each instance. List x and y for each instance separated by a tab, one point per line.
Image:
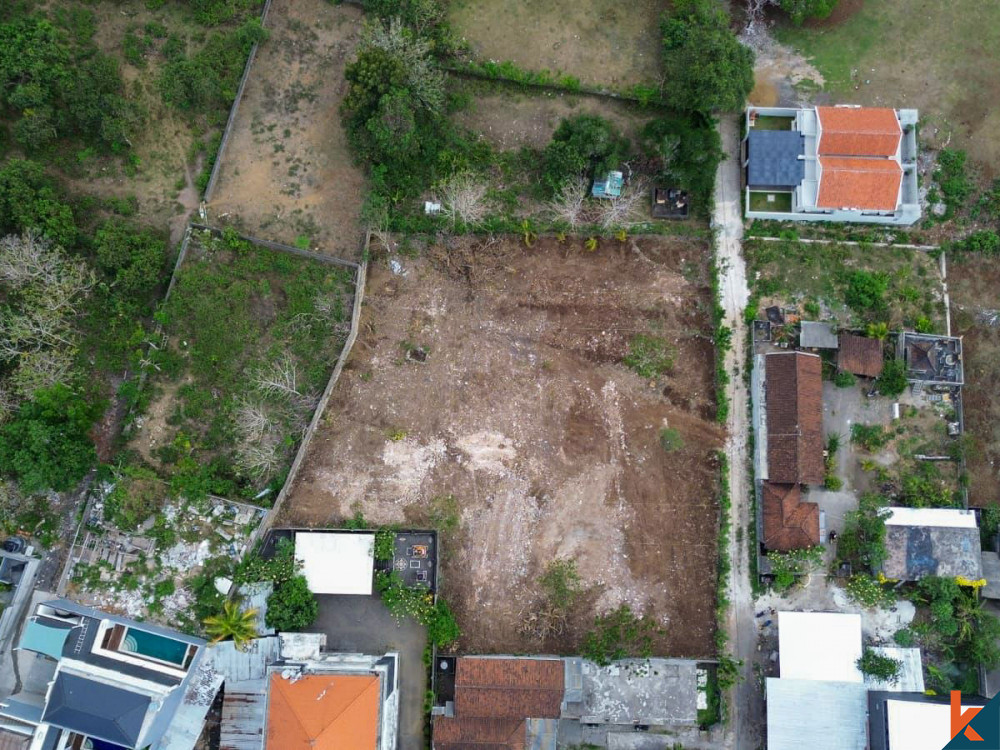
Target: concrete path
745	704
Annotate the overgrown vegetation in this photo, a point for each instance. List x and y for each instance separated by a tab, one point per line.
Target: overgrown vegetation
878	666
862	542
787	567
650	356
418	603
620	634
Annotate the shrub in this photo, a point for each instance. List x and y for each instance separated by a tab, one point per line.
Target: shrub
385	543
418	603
875	665
871	437
670	439
136	496
619	635
582	144
786	566
801	10
862	542
649	356
952	179
984	241
892	381
291	606
561	583
844	379
866	290
868	592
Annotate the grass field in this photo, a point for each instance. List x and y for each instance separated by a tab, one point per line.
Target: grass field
939	57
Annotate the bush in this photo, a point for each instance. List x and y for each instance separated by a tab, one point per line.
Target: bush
291	606
561	584
670	439
844	379
136	496
952	179
875	665
866	290
619	635
649	356
862	542
892	381
868	592
418	603
45	445
29	199
583	144
871	437
802	10
983	241
385	543
709	70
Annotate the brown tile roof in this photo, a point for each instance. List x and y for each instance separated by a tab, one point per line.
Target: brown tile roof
858	131
794	394
860	355
871	184
789	523
494	697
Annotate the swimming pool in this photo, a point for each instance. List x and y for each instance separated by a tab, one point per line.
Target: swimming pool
154	646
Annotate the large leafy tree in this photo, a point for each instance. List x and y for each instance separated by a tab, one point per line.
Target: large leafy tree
292	606
706	68
45	445
584	144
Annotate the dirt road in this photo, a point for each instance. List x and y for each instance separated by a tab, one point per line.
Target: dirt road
746	701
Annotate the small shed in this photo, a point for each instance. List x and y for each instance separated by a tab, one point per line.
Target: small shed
859	355
670	203
337	562
817	335
610	186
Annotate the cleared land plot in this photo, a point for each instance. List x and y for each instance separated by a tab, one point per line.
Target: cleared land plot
287	173
939	57
511	119
487	392
601	42
251	337
791	273
975	316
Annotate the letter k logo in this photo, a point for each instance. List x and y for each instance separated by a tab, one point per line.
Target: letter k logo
960	719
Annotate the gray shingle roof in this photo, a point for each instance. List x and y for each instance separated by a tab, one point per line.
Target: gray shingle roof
96	709
774	158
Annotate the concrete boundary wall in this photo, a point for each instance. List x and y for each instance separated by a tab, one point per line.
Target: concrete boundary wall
210	187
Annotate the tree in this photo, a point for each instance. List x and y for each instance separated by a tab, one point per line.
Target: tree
45	445
892	381
582	144
29	200
688	148
875	665
464	200
232	623
131	257
707	69
291	606
862	542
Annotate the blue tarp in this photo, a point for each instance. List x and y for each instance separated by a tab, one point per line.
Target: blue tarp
44	639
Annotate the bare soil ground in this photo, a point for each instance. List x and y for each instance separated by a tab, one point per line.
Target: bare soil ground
525	414
287	173
510	119
601	42
975	315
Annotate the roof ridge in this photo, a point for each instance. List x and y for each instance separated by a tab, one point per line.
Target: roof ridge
335	720
290	705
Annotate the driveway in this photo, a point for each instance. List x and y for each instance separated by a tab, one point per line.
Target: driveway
362	624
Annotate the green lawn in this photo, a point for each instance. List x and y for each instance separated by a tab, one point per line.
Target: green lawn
771	122
939	57
782	202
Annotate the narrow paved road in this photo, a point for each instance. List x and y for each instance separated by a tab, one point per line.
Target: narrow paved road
745	702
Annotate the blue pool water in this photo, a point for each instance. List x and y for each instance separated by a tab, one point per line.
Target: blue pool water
155	646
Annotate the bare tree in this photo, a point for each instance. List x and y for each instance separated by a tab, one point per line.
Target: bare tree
425	80
41	369
279	378
464	199
569	203
252	420
622	211
258	460
42	273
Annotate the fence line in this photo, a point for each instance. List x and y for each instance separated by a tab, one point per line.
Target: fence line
210	187
282	247
359	293
856	243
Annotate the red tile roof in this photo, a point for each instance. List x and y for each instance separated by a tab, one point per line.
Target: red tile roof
794	395
860	355
869	184
494	697
789	523
323	712
858	131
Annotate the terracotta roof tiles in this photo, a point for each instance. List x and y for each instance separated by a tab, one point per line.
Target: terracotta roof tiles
789	523
860	355
868	184
323	712
794	395
858	131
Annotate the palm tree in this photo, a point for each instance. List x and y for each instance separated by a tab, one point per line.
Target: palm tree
232	623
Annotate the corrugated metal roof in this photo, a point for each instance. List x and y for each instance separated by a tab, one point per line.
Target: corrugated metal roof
911	675
239	666
991	572
816	714
189	718
815	335
255	597
242	726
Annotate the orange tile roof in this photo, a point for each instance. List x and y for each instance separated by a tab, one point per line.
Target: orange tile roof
858	131
869	184
323	712
789	523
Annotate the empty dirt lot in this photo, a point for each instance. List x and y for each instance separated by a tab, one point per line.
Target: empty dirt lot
975	316
601	42
287	173
523	412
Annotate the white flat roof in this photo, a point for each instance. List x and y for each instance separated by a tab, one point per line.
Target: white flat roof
941	517
336	563
819	646
911	674
914	725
